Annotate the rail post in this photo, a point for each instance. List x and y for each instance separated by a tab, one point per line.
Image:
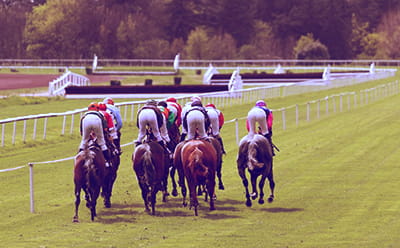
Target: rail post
31	190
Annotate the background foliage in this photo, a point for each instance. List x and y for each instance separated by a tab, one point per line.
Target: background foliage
256	29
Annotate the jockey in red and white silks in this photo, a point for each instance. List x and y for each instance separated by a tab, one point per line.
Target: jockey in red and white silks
93	121
216	122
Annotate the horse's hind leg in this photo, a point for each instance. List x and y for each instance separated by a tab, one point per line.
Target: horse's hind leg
77	202
174	185
246	185
271	186
261	187
219	175
253	178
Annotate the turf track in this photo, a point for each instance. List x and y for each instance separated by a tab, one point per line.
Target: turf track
337	186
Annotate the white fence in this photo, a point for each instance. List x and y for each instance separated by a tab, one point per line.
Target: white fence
57	86
33	127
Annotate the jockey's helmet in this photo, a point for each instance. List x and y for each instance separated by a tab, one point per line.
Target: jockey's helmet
108	100
151	102
162	103
211	105
196	98
94	106
261	103
197	103
102	106
171	99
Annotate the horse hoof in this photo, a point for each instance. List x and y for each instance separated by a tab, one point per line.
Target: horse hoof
261	201
212	208
174	192
248	203
75	220
270	199
221	187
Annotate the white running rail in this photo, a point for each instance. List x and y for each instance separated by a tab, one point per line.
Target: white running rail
57	86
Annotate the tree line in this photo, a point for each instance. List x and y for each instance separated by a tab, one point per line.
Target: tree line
200	29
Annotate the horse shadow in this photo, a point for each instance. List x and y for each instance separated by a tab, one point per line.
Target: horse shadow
282	210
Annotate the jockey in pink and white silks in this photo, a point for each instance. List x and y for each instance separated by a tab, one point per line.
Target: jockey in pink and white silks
93	121
263	116
216	123
195	120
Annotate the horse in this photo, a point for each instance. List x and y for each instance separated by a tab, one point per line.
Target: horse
111	174
255	155
196	161
174	135
149	164
89	172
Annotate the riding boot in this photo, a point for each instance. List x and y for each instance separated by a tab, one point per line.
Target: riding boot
80	149
222	144
269	138
183	136
107	157
137	143
118	145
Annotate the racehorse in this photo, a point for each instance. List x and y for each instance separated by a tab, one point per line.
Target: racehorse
110	175
89	171
255	155
196	161
150	166
174	135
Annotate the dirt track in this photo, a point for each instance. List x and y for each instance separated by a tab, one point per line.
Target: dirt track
27	81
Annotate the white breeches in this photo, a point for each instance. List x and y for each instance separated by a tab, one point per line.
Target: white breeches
257	115
164	131
214	121
195	122
92	123
147	117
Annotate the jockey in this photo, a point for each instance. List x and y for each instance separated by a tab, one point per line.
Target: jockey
264	117
110	130
115	113
169	115
195	120
216	122
93	121
150	115
175	108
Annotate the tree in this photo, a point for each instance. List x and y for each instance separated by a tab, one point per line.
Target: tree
308	48
389	30
196	47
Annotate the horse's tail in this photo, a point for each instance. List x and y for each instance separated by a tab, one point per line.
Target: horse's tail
252	156
197	164
148	167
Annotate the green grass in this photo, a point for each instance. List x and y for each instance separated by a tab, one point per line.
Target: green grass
337	181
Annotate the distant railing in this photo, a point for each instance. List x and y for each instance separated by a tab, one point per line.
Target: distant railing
57	86
187	63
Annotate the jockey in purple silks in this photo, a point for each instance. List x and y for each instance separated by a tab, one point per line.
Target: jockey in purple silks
149	115
195	120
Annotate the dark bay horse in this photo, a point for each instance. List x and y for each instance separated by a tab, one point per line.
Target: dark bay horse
255	155
110	175
174	135
149	163
196	161
89	172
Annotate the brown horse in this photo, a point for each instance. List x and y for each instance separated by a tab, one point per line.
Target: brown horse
255	155
149	163
174	135
196	161
89	171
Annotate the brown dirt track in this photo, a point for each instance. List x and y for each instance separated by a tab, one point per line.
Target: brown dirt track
27	81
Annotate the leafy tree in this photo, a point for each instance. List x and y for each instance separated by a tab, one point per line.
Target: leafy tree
309	48
389	29
221	47
196	47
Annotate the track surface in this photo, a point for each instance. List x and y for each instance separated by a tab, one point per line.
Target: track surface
27	81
